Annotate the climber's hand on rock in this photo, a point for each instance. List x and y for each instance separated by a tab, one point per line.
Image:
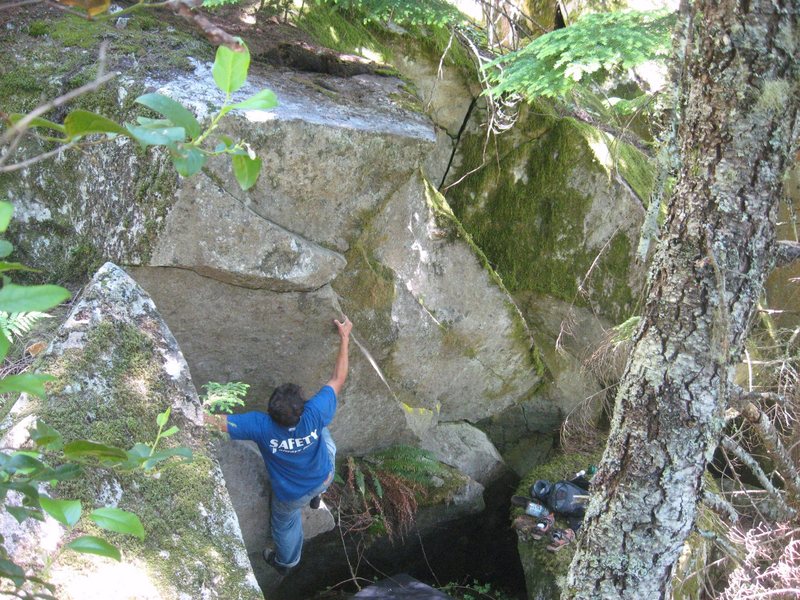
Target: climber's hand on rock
344	327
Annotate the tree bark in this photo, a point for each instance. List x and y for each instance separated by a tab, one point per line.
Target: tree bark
738	130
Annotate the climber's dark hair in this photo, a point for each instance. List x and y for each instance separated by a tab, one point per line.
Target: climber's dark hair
286	404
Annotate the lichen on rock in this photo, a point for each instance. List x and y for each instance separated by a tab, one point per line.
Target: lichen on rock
117	366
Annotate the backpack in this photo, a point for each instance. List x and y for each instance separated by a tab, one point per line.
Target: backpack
560	497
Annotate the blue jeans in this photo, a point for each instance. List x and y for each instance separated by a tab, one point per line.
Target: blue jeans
287	527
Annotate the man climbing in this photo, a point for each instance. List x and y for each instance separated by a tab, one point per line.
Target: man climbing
297	449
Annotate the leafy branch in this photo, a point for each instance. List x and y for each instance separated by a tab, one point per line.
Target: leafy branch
178	130
595	47
223	397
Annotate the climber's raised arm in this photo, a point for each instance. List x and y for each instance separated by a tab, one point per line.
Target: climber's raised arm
340	368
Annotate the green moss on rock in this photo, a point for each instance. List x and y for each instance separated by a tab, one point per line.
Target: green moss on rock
60	54
110	388
525	209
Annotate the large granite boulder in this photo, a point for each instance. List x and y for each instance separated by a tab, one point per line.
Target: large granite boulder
342	219
117	366
557	208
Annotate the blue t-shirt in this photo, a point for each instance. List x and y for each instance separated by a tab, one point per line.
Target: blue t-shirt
297	458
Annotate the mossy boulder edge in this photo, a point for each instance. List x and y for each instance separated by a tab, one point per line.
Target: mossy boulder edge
117	366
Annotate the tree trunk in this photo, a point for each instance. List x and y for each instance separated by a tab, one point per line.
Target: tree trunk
738	129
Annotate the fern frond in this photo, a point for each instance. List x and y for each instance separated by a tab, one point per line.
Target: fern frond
361	483
376	482
18	324
223	397
595	47
413	464
433	13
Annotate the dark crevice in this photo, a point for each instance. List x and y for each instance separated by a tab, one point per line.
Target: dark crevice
457	141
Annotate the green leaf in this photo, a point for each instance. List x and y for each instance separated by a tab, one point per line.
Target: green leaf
135	457
30	492
230	69
44	435
174	111
246	170
12	571
161	136
6	210
82	122
149	123
28	298
23	462
87	449
89	544
38	122
171	431
66	512
29	383
263	100
21	514
188	161
139	450
6	248
5	344
118	520
15	266
162	418
65	472
163	455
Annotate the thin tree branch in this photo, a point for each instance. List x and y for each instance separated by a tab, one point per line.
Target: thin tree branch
740	398
729	549
32	161
786	252
216	35
720	506
734	448
15	131
768	434
583	116
20	3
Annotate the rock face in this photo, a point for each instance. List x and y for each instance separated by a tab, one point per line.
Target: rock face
560	214
117	366
557	209
342	219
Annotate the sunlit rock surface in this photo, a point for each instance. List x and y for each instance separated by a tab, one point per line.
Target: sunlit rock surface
343	219
117	366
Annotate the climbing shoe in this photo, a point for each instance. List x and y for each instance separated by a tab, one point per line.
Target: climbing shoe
529	528
315	501
270	556
560	538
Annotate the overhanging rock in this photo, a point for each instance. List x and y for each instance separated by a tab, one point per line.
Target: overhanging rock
340	220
